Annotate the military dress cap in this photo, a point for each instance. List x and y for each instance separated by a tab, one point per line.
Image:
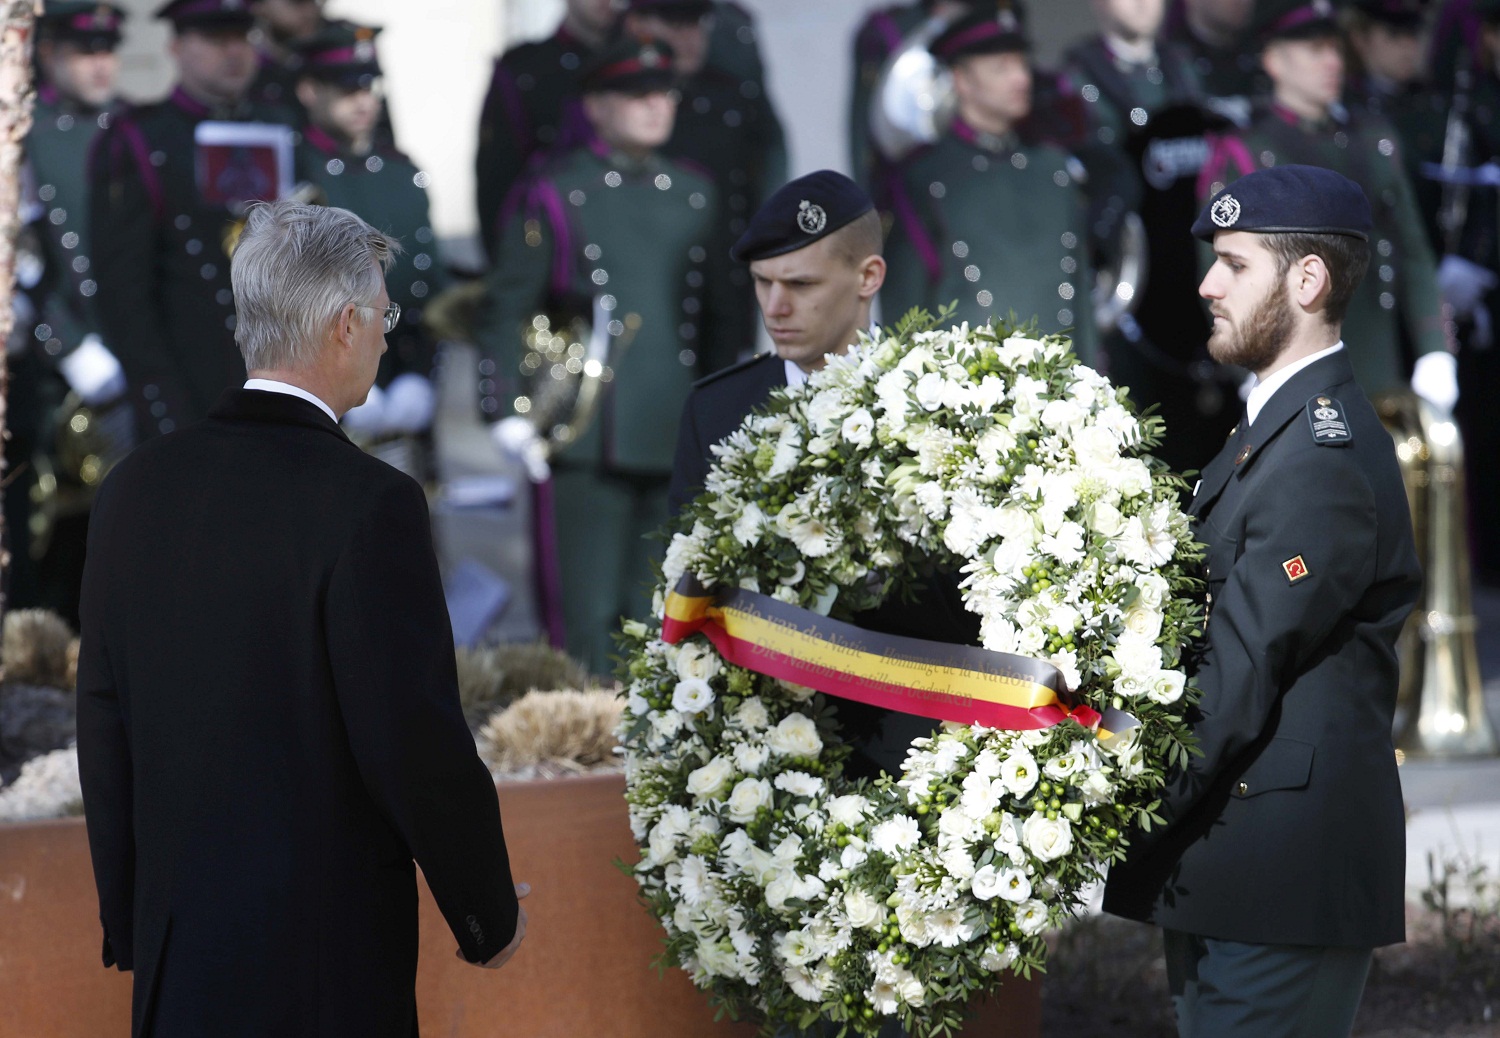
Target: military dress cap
207	14
341	52
671	10
1294	20
992	30
82	21
1399	14
1288	199
630	66
806	210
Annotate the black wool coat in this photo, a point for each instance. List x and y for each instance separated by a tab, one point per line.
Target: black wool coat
269	733
1289	828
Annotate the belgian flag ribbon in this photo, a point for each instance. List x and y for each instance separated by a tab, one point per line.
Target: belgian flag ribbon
961	683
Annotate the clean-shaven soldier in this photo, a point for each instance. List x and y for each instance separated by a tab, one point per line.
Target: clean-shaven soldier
814	254
269	730
1282	863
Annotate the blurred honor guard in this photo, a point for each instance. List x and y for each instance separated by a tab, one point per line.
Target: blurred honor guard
60	369
1281	864
281	26
1395	318
339	84
270	738
1126	74
621	236
982	216
725	125
1214	34
532	105
167	203
734	43
814	253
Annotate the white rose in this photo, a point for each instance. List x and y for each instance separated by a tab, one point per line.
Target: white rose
848	809
1144	621
795	736
986	883
748	797
1105	519
1132	477
1047	838
1153	588
864	911
1167	686
1012	885
692	696
1097	788
929	391
911	990
1019	772
710	781
859	428
996	443
1095	446
698	660
854	855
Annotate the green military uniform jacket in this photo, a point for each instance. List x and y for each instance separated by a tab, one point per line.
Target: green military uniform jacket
1396	307
636	235
1121	95
1289	828
165	303
387	190
1420	117
532	105
994	224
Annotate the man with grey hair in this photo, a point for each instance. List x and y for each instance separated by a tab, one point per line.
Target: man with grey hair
269	729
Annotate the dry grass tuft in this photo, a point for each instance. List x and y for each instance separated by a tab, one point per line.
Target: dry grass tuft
552	727
38	648
493	677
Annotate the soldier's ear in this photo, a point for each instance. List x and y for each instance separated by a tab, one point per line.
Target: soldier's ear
871	276
1310	282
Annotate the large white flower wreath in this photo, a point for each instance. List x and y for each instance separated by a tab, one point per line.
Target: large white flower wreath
793	893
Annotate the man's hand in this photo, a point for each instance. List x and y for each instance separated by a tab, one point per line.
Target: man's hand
93	372
1435	380
368	419
503	956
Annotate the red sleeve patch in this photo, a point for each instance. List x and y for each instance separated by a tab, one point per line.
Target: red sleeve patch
1295	569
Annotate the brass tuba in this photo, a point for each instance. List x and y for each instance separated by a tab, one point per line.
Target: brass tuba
567	361
86	443
1440	704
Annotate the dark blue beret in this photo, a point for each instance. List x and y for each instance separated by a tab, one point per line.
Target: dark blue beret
1288	199
804	211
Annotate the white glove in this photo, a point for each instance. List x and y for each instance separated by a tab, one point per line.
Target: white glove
1464	284
409	404
518	440
369	417
93	372
1435	380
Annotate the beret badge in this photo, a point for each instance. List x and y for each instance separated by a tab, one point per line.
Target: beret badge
811	218
1225	212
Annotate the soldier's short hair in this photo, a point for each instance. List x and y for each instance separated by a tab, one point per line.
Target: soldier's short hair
294	269
1345	256
859	239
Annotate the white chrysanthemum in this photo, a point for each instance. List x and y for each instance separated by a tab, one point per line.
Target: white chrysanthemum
849	809
799	784
750	757
813	537
751	715
748	525
895	835
996	959
696	883
795	736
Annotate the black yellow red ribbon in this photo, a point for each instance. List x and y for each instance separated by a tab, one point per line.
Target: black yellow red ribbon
959	683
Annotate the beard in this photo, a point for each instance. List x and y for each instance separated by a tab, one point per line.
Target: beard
1261	337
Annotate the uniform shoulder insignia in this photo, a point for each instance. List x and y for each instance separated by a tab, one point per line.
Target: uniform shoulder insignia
733	369
1329	424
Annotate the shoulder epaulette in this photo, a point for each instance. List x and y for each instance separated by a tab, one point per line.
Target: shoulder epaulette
708	380
1329	424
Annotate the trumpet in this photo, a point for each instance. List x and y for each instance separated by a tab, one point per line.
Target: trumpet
1440	702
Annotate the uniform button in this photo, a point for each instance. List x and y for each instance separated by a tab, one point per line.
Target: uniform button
1243	788
335	167
422	180
663	182
374	164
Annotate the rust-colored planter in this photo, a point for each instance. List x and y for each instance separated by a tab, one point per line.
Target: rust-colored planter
584	969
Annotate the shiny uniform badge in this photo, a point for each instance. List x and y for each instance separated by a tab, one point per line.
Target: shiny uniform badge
1225	212
1329	426
811	218
1295	569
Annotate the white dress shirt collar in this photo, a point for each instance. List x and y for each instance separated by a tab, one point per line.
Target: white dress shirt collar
1261	392
795	376
269	385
